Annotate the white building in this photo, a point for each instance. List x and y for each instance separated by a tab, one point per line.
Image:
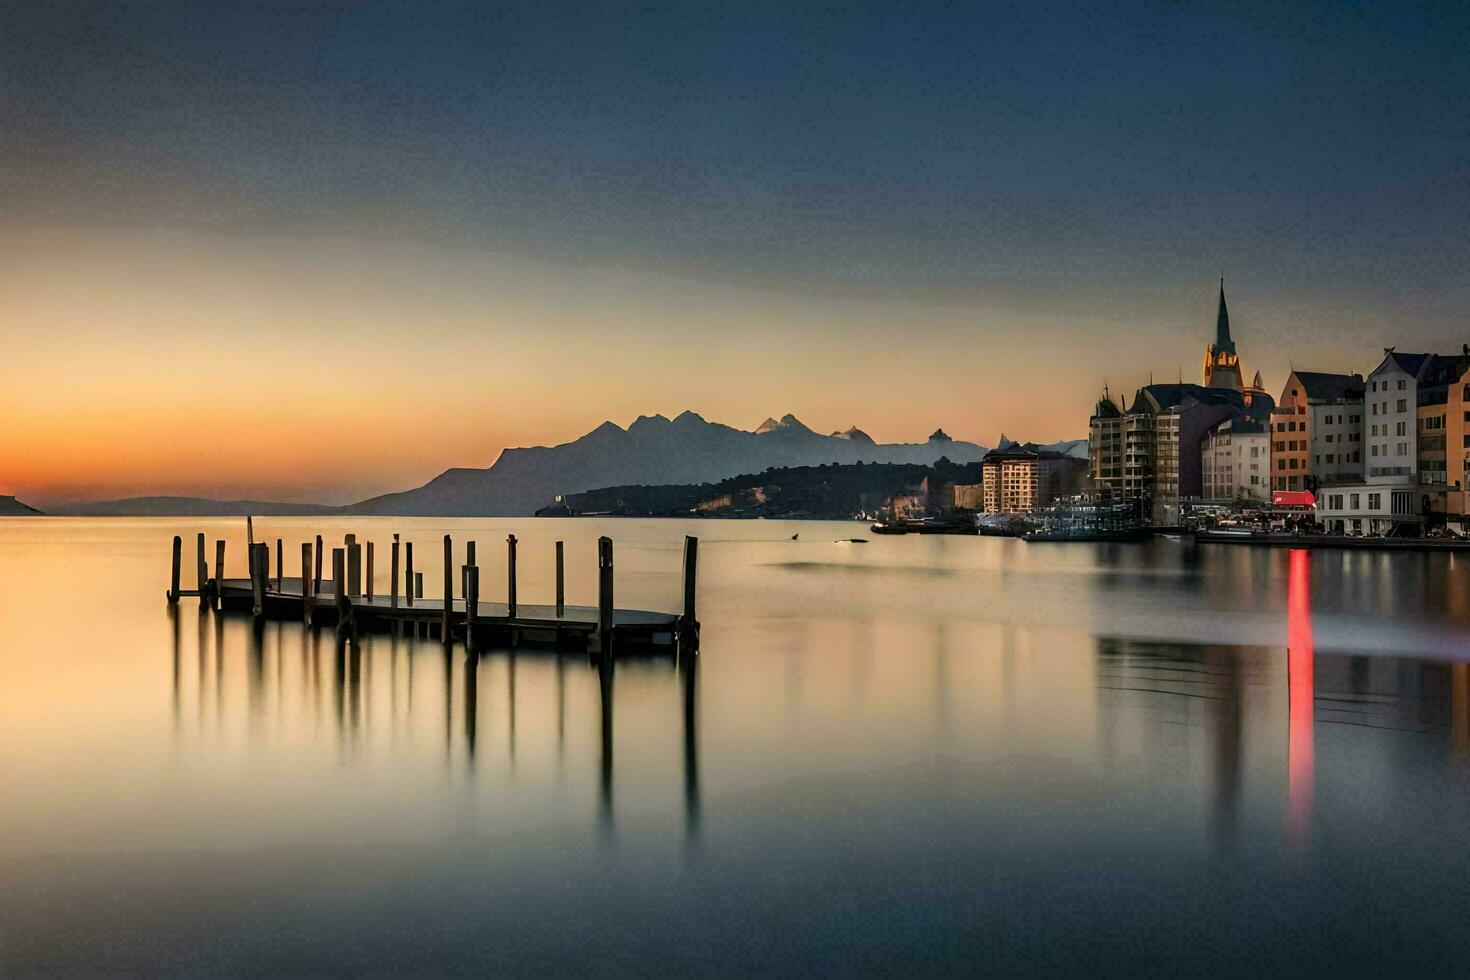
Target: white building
1389	493
1368	508
1235	461
1391	414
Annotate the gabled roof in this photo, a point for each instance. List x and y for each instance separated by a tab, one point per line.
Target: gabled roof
1330	387
1410	364
1162	397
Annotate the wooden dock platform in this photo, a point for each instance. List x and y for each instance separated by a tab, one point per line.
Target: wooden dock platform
312	598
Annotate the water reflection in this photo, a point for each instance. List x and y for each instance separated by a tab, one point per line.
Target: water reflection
244	677
1301	681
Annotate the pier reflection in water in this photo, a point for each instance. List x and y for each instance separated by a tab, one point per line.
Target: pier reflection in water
373	696
1069	757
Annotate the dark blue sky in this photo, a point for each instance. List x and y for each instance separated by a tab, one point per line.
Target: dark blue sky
922	148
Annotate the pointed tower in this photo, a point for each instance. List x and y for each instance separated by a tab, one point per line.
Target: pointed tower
1222	365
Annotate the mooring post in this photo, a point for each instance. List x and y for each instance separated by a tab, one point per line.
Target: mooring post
689	622
219	571
393	578
469	560
306	596
510	586
418	585
280	568
561	583
258	571
604	595
316	586
408	571
471	604
249	532
345	622
201	572
369	582
173	588
354	565
444	633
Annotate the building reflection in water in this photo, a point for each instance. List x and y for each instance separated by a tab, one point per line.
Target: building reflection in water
1300	678
296	681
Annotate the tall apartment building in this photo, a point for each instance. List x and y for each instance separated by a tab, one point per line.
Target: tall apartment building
1317	431
1023	478
1235	461
1393	418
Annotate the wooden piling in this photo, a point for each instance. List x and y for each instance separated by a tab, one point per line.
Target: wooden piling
393	578
316	588
418	585
354	565
345	622
510	586
201	572
173	588
408	588
444	633
469	560
308	600
219	571
258	571
604	595
471	604
369	581
689	622
561	583
280	568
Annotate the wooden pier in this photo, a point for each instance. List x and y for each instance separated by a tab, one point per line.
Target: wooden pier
479	622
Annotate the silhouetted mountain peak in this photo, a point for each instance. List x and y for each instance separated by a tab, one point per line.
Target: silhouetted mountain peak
648	422
788	423
854	434
939	435
686	417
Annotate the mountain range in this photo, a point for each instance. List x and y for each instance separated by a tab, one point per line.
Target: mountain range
654	450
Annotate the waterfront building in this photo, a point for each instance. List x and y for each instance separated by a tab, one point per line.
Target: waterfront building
1392	418
1105	461
969	496
1414	466
1019	479
1317	431
1152	451
1235	461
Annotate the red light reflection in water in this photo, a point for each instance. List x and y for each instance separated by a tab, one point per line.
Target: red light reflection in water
1299	761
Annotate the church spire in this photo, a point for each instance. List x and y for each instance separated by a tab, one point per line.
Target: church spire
1222	325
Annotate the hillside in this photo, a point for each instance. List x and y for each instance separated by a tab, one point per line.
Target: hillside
652	451
830	490
189	507
10	507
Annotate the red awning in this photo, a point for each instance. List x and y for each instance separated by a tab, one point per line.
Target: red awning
1293	498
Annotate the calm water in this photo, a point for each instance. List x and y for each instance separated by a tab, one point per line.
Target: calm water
935	754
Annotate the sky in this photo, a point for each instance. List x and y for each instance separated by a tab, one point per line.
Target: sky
316	251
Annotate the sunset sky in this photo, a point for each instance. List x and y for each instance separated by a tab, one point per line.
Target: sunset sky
316	252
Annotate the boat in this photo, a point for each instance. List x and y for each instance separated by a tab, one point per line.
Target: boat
1087	520
1142	533
925	525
